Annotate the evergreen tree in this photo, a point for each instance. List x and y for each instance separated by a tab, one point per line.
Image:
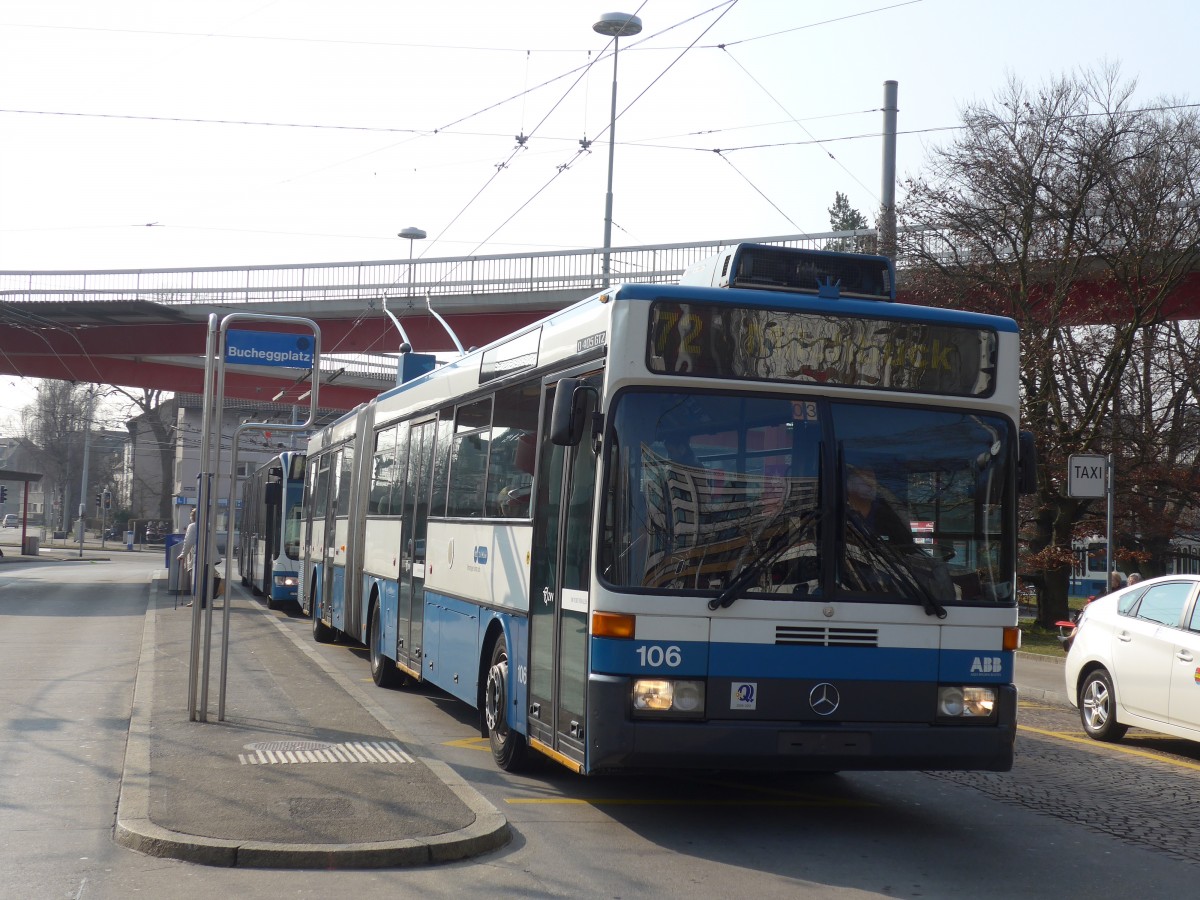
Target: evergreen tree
844	217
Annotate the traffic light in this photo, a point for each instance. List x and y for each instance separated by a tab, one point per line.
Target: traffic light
108	499
3	493
97	501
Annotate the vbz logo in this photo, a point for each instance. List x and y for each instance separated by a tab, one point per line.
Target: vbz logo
987	665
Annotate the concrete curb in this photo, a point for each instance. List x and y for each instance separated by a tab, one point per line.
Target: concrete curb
1044	695
133	829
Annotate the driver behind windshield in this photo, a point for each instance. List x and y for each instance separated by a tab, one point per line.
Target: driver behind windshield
873	513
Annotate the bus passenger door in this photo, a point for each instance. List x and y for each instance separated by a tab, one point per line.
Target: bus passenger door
268	531
333	571
412	552
559	581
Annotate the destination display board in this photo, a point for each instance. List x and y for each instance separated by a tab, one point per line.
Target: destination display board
805	347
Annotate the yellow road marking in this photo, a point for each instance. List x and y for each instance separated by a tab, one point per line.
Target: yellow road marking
644	801
1116	748
475	743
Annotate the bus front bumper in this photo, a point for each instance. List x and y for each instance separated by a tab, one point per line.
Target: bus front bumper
618	740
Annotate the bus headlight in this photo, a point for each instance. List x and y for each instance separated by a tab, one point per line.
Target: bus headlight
286	581
966	702
668	697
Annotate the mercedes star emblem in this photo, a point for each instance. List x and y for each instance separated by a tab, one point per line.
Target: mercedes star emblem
824	699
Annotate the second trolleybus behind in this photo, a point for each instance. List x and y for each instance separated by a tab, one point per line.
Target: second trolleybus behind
764	518
271	522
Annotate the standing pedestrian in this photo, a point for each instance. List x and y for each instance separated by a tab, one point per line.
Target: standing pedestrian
187	552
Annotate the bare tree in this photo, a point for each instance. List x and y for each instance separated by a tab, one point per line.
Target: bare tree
1157	431
1074	213
159	421
57	422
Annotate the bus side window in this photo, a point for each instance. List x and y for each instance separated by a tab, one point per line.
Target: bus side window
468	459
396	502
441	462
383	473
513	447
320	498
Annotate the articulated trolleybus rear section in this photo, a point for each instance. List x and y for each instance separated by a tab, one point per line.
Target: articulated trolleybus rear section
765	518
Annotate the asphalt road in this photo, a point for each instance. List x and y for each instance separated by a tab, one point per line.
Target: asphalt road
1073	819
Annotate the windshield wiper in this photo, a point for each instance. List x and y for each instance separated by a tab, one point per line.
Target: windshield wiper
772	552
896	568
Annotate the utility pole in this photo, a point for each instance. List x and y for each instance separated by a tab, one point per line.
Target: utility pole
887	211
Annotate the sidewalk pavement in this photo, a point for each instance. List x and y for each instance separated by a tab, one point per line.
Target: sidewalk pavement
60	552
300	774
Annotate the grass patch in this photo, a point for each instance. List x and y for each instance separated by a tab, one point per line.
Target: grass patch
1036	639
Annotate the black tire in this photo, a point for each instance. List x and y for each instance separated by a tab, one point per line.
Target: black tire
508	747
268	590
322	633
1098	708
383	670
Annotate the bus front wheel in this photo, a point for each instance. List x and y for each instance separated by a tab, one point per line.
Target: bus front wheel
508	747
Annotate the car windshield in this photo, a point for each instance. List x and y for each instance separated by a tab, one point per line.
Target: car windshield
801	498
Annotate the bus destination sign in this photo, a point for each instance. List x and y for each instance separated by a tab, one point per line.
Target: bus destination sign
719	341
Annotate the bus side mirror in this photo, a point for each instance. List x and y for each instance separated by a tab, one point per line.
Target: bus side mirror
1027	464
569	414
273	493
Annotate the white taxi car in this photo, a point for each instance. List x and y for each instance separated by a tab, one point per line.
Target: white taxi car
1135	660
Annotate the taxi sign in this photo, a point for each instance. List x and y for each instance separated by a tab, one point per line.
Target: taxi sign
1087	475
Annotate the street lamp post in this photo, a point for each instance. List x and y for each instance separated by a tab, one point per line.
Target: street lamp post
87	439
615	26
411	234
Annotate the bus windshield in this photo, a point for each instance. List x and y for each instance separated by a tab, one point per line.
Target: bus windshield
293	521
794	498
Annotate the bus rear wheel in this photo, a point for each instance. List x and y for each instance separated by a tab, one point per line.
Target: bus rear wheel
508	747
383	670
322	633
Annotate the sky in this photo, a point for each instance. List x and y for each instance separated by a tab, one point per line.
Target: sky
142	134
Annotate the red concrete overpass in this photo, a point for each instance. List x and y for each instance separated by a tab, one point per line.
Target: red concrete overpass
148	328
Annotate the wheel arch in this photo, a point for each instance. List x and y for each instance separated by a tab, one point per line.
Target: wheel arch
1086	670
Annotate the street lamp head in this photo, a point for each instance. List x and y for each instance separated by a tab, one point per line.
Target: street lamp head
413	234
615	24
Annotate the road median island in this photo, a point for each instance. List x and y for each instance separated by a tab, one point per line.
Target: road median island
300	774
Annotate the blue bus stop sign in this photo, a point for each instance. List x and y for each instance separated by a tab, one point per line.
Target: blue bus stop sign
269	348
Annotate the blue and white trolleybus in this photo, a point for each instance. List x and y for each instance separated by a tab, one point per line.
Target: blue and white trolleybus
271	520
763	518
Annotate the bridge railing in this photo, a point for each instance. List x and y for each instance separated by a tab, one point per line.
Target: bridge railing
466	275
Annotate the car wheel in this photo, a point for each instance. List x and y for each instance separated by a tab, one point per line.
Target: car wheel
1098	708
